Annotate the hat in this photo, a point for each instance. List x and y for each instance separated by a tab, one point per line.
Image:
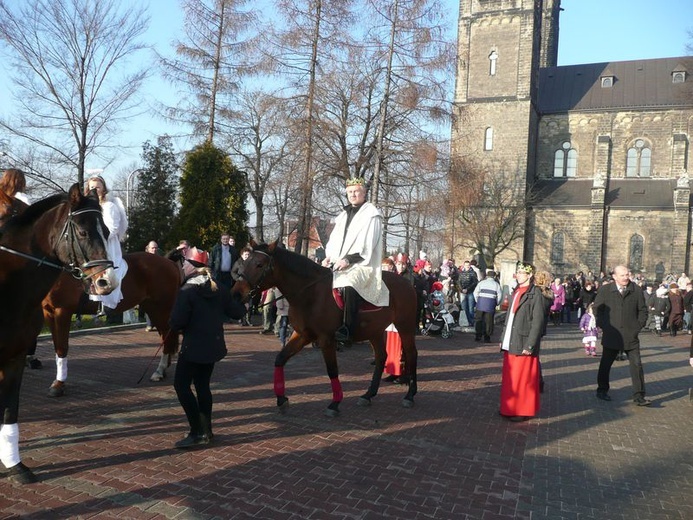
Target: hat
356	181
197	257
437	286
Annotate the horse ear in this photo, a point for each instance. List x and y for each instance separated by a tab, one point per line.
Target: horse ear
75	195
252	243
274	245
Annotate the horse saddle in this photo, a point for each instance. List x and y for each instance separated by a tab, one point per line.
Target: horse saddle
364	306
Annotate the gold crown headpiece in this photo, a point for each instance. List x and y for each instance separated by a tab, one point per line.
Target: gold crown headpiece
356	181
525	267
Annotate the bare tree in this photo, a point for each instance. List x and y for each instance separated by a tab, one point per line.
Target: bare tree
70	59
220	38
487	209
259	143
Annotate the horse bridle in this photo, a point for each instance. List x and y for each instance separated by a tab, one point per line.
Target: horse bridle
265	270
68	234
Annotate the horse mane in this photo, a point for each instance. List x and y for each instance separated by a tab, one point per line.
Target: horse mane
294	263
37	209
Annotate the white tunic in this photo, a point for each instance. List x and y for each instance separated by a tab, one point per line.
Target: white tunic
115	218
364	237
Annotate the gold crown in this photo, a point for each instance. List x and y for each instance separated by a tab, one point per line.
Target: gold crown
524	267
356	181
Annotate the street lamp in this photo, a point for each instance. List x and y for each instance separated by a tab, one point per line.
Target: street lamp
128	181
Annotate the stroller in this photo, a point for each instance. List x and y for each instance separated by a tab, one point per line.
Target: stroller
438	319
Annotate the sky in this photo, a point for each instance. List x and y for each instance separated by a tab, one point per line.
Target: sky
591	31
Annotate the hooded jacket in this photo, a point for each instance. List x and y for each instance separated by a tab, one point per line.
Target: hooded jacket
199	313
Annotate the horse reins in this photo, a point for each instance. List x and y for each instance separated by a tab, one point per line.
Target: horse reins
68	233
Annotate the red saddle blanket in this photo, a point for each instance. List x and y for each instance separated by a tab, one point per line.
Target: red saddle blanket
365	306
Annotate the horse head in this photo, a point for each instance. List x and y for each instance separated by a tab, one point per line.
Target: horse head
81	245
257	274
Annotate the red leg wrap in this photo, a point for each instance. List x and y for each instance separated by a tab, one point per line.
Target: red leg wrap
337	394
279	381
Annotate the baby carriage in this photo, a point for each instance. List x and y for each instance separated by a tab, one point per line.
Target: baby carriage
438	318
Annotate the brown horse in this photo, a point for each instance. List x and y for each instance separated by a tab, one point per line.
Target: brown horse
62	232
315	317
151	282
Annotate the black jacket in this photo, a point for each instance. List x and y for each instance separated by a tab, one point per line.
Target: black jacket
199	312
620	317
467	279
529	323
215	259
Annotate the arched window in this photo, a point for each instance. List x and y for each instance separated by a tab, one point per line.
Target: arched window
565	161
557	245
636	249
492	58
488	139
638	160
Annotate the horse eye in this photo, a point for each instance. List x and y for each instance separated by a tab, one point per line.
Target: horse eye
82	233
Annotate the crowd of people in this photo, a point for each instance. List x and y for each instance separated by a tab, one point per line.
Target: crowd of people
612	309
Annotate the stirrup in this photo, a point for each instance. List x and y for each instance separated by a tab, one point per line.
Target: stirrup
342	334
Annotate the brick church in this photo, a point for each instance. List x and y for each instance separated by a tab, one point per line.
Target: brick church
603	147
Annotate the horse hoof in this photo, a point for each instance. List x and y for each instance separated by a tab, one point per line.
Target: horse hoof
331	412
363	401
20	474
57	389
156	377
282	404
407	403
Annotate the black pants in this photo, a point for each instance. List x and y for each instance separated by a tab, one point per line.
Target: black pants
483	324
225	279
352	299
637	375
198	409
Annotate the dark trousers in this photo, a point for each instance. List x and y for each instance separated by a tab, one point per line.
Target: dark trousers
198	409
637	375
483	324
351	308
225	279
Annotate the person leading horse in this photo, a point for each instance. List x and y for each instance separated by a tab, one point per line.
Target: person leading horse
354	253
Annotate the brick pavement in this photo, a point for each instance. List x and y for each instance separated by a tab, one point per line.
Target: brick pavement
105	449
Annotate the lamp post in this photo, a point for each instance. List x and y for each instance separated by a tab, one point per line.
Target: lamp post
128	182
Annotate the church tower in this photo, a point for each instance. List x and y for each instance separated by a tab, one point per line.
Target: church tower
495	119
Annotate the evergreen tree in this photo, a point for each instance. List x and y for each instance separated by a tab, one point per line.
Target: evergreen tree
213	198
152	213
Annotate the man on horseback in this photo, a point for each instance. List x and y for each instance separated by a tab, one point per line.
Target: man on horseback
354	252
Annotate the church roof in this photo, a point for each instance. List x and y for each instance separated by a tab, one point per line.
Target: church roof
623	193
635	84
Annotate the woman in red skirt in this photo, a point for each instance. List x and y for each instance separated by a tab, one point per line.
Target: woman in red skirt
524	325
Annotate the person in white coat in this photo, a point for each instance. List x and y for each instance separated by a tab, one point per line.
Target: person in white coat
354	253
116	220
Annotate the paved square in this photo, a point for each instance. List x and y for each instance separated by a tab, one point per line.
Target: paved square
104	450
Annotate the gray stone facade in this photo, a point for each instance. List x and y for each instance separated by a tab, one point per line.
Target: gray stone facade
605	147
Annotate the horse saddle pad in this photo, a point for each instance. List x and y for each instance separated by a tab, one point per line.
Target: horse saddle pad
364	306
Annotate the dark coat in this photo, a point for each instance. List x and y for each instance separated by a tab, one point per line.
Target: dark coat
620	317
199	312
215	259
529	323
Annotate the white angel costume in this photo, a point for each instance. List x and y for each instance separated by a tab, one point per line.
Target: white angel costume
363	237
115	218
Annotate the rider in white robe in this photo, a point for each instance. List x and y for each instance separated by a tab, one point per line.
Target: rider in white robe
354	251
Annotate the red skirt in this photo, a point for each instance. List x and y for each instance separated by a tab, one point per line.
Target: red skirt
520	386
393	347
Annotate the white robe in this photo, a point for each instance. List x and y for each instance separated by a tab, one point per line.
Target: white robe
364	237
115	218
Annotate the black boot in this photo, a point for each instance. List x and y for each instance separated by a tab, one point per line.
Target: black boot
345	333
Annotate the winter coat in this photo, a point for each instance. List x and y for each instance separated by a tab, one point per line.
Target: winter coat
587	297
558	297
467	279
488	294
199	313
620	317
528	323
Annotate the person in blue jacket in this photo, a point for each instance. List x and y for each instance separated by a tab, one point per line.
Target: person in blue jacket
200	310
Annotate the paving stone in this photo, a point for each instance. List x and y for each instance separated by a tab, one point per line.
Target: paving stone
105	450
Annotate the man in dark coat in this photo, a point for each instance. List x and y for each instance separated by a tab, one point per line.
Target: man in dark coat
621	313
